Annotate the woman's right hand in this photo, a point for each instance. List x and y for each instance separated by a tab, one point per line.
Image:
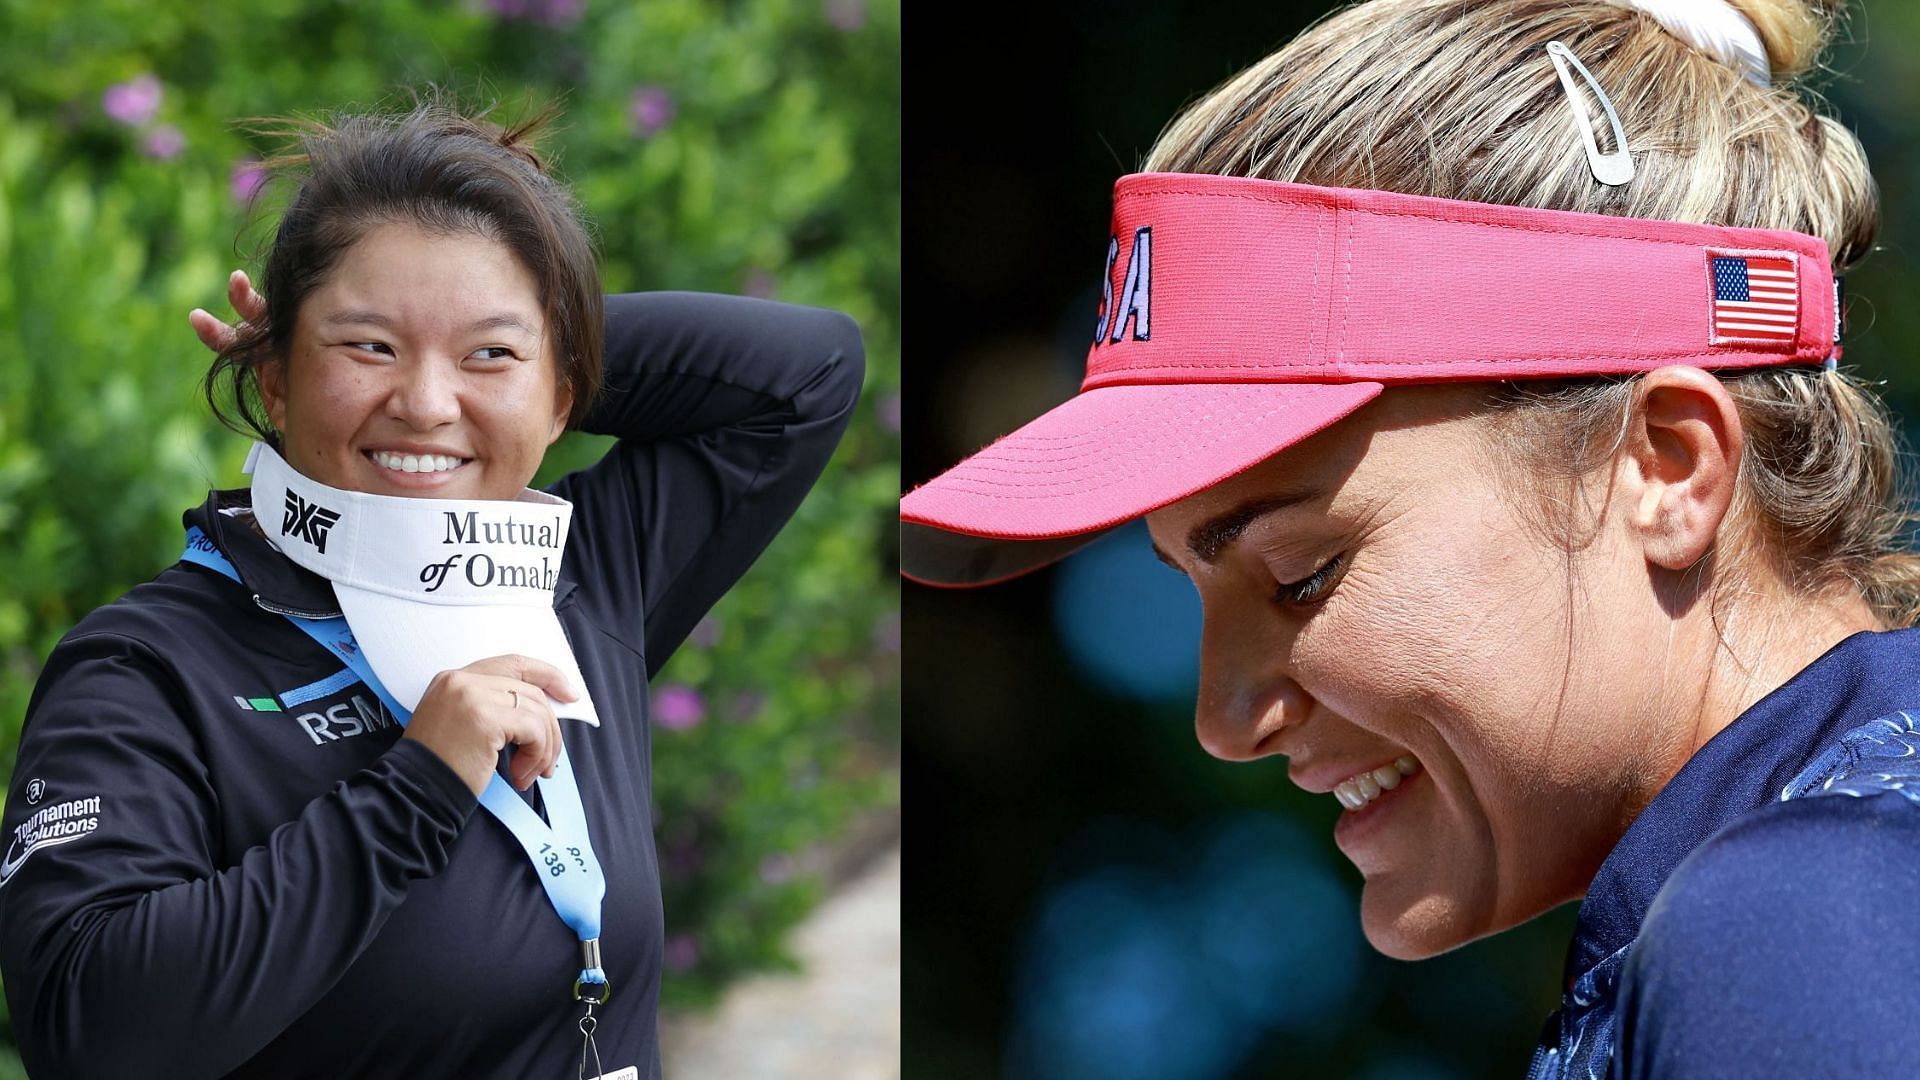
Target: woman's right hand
250	305
469	714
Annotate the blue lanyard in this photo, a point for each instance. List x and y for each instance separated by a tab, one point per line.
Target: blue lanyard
562	855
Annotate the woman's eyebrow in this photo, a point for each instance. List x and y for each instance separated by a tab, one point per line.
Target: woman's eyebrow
374	318
1211	537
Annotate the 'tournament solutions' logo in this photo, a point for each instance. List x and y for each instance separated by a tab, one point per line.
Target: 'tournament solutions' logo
56	823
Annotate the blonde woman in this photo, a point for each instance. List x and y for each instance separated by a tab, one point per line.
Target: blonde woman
1530	511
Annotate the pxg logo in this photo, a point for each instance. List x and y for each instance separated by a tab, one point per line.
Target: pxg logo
309	521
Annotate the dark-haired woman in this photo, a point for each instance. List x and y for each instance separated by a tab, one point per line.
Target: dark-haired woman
239	848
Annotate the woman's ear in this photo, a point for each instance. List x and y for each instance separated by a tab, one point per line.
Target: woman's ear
1684	443
562	409
271	376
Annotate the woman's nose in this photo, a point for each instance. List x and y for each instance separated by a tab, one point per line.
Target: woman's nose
425	396
1241	712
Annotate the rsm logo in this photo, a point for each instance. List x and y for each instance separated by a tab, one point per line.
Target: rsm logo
355	716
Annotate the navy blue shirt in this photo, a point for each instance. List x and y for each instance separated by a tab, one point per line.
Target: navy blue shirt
1756	919
224	860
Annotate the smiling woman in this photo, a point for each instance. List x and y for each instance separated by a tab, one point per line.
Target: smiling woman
1530	512
447	240
367	397
243	821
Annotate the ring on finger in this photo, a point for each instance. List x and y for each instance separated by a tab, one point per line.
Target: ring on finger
516	698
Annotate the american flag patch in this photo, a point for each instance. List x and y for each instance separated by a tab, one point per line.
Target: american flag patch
1756	297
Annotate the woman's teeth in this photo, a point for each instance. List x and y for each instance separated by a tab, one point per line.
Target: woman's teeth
1357	791
415	462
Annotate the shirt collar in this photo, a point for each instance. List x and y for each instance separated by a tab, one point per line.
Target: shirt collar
1745	766
277	581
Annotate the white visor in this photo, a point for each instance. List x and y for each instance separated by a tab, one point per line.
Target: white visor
428	585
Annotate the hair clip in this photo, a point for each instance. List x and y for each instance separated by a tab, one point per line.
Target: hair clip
1612	169
1839	319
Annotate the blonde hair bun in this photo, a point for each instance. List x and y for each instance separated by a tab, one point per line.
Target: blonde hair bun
1794	32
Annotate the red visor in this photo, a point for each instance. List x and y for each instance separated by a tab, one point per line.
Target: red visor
1238	317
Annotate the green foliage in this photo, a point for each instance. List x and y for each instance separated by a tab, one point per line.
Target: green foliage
726	146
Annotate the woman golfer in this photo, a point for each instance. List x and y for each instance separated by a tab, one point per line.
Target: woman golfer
1477	363
361	788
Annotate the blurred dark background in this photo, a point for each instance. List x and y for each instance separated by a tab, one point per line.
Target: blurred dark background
1090	894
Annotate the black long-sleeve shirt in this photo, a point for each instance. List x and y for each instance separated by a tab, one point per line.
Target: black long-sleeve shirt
222	858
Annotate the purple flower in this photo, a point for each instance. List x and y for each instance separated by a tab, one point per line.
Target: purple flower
759	283
706	633
163	142
246	179
848	15
132	102
650	110
549	12
682	952
776	869
748	703
886	632
889	409
683	859
560	12
678	707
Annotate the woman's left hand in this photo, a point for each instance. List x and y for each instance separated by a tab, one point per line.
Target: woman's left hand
250	305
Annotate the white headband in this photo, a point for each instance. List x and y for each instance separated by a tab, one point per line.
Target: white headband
1715	27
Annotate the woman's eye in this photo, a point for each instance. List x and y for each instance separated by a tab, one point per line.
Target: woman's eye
369	346
1311	589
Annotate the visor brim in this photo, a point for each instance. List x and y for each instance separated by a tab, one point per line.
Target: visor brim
1097	461
408	643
